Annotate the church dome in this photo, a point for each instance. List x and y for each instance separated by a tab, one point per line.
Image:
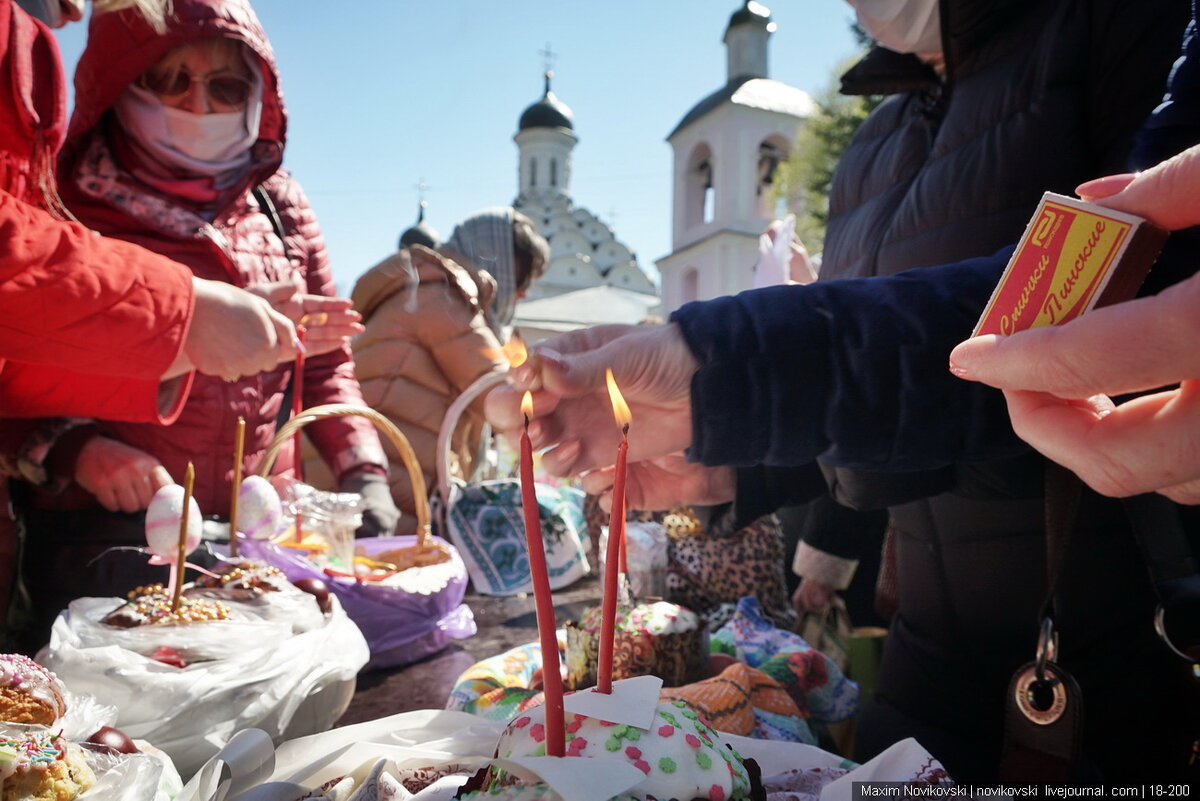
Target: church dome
549	112
421	233
752	12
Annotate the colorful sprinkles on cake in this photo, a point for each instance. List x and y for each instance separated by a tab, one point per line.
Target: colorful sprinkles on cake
30	751
675	753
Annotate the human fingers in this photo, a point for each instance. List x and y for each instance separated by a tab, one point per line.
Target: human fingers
283	336
328	338
1128	347
552	351
1098	188
1187	493
159	478
1143	445
326	303
1164	194
127	492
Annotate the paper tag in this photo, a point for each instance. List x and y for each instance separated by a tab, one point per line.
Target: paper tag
632	702
576	778
1069	253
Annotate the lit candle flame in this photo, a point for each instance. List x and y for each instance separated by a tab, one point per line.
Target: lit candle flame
620	409
527	406
514	351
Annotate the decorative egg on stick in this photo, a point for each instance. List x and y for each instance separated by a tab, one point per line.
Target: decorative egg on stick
260	510
170	534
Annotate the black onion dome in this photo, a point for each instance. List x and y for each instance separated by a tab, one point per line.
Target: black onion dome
751	12
549	112
420	234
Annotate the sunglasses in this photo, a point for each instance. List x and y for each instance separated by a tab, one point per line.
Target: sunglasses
224	89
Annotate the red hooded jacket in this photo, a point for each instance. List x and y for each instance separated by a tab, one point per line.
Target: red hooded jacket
238	246
87	325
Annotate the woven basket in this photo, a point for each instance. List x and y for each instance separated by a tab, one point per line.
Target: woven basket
425	551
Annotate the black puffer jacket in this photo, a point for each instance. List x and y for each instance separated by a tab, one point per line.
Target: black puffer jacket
1036	96
954	169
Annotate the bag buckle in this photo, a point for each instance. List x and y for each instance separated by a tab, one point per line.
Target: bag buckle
1039	689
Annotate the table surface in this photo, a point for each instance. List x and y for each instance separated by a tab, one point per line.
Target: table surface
503	623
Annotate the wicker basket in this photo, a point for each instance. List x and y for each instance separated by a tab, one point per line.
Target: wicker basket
425	551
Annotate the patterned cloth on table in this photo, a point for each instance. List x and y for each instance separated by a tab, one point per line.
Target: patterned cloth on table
827	695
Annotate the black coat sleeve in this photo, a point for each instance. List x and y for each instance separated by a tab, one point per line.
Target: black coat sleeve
853	373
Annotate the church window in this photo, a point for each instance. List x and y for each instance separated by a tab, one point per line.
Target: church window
553	172
699	194
690	288
533	172
771	153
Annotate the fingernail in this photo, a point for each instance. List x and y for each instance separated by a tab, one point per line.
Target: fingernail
959	370
568	452
523	374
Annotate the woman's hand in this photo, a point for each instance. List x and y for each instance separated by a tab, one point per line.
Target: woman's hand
572	413
328	322
665	482
122	478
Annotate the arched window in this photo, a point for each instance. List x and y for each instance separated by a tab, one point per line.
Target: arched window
533	172
553	172
772	152
689	288
699	197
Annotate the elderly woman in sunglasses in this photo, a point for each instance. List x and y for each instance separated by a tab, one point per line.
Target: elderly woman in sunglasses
176	143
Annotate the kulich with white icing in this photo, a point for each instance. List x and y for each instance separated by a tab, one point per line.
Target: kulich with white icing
681	756
29	693
42	765
649	639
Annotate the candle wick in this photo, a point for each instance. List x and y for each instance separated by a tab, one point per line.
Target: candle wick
526	422
625	430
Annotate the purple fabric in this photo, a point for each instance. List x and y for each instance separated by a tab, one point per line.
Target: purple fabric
400	627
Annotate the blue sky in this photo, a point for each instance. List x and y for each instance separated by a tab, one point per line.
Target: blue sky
383	94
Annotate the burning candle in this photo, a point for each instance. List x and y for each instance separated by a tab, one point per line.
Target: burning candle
189	478
239	443
540	577
614	561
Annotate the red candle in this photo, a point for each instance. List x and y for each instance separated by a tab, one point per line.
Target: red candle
551	677
614	556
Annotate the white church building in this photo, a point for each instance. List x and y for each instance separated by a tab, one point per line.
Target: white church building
592	278
726	149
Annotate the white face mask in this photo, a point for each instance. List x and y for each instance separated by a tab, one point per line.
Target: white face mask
55	13
197	144
903	26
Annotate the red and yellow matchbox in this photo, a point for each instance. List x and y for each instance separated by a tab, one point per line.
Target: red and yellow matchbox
1074	256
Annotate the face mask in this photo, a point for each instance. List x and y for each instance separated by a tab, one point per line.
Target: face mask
196	144
903	26
54	13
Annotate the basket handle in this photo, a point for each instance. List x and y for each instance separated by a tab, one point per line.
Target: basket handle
450	421
386	426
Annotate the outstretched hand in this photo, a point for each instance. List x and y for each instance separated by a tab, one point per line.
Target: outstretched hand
665	482
329	322
234	333
1058	380
572	413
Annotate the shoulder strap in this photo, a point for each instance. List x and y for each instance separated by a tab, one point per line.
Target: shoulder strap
268	208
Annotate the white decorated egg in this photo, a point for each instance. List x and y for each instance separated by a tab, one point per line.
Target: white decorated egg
162	522
259	508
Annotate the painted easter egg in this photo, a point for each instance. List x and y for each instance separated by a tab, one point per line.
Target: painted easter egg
162	522
259	510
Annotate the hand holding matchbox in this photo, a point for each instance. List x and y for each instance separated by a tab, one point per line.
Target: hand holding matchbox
1073	257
